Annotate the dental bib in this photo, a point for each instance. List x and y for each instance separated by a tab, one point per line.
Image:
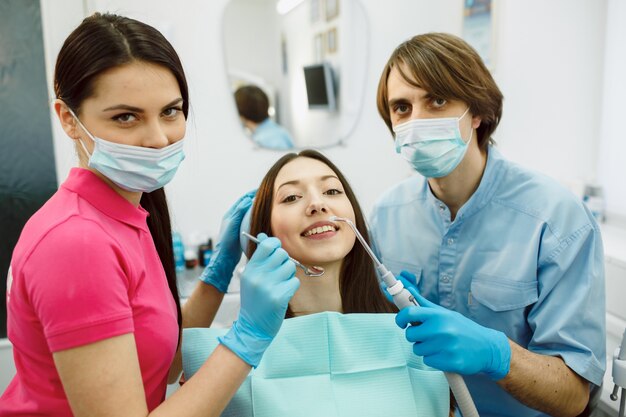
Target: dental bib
332	365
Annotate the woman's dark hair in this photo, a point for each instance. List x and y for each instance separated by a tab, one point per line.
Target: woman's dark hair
105	41
358	282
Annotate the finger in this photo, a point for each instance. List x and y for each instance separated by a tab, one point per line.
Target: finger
409	277
422	332
265	248
423	302
407	284
441	361
414	314
251	193
276	259
288	288
427	348
242	207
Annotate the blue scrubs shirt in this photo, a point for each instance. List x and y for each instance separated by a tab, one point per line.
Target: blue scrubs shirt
270	134
523	256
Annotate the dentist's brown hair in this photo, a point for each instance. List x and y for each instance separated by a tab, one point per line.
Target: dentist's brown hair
449	68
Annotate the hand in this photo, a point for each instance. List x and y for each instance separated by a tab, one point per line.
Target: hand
408	280
451	342
227	253
267	285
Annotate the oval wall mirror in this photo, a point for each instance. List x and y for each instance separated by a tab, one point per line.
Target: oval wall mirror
297	69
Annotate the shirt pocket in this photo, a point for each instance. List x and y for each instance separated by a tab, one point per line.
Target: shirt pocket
398	266
500	294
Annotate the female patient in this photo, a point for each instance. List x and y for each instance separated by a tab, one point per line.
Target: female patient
294	201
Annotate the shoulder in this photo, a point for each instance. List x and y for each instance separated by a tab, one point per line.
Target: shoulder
537	195
404	193
57	235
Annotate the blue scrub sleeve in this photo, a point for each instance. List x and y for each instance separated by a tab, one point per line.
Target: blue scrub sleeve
568	319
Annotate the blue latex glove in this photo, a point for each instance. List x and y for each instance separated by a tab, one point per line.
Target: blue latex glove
227	253
451	342
267	285
408	280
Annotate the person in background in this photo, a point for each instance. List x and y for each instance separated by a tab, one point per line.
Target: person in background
93	310
253	106
507	264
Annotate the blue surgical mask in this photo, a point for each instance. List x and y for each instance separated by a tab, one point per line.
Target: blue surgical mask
434	147
134	168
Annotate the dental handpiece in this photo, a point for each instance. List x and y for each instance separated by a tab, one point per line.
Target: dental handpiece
400	295
403	298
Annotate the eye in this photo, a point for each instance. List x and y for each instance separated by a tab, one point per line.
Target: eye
172	112
401	108
333	191
289	199
438	102
125	118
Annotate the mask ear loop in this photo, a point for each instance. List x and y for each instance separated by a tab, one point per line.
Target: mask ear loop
471	129
85	130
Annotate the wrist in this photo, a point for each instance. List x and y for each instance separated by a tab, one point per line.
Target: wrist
218	274
246	343
501	357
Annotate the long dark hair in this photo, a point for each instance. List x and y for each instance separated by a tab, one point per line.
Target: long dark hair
358	282
105	41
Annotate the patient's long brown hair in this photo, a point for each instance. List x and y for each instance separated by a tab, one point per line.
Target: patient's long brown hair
358	282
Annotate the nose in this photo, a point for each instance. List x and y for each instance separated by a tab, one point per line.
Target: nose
155	136
316	206
419	113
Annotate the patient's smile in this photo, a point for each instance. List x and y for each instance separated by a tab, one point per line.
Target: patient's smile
320	230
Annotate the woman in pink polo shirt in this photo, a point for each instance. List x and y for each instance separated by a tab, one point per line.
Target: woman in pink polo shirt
93	310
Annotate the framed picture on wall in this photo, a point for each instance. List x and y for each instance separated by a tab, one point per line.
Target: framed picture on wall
478	28
332	9
315	11
331	41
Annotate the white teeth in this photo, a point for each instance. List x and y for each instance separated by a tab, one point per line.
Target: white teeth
321	229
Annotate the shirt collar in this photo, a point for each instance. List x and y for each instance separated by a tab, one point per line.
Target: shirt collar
100	195
484	192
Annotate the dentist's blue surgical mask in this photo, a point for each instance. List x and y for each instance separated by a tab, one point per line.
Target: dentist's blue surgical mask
134	168
434	147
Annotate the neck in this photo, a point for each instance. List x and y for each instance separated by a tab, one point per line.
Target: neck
455	189
133	197
317	294
251	125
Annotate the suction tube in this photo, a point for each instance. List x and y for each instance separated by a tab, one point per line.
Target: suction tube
402	298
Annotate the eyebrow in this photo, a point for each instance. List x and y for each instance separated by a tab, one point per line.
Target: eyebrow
138	110
296	182
395	101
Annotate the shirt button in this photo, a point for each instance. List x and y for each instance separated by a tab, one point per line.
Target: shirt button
450	241
445	279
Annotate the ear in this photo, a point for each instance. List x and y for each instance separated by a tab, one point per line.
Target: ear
476	122
68	122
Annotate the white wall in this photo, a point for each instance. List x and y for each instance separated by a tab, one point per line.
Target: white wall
548	62
612	169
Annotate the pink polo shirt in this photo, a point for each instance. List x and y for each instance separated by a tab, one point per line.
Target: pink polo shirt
85	269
